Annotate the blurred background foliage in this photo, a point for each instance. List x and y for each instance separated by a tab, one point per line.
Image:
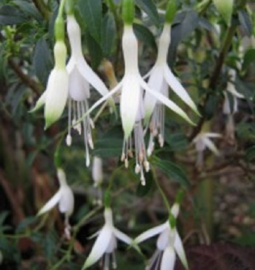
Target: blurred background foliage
217	219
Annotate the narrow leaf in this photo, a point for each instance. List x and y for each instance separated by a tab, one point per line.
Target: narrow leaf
150	9
91	11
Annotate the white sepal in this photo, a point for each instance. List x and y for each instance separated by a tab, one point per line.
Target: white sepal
151	232
99	247
178	246
51	203
168	259
170	104
179	89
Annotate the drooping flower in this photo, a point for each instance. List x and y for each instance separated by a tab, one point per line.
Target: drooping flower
81	76
106	243
97	176
168	243
55	96
160	79
132	87
64	198
203	141
228	109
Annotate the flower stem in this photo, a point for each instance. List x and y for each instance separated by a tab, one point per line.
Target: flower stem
161	191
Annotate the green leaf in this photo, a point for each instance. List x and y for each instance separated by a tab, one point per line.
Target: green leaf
250	153
108	34
249	58
185	23
25	223
10	15
245	22
95	51
176	141
109	144
225	8
145	35
150	9
42	60
91	11
28	9
173	171
144	190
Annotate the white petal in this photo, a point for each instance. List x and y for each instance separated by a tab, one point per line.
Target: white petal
51	203
163	240
178	246
122	236
150	233
170	104
99	247
78	86
40	102
168	259
129	103
57	92
66	203
155	83
112	244
179	89
211	146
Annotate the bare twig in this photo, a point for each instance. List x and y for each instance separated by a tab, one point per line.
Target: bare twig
25	78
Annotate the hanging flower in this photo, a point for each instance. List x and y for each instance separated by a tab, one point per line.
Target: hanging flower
64	198
168	241
106	243
97	176
203	141
160	79
55	96
227	108
81	76
132	88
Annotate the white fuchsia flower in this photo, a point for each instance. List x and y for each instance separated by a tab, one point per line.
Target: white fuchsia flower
160	79
227	108
64	198
132	87
81	76
168	243
203	141
55	96
106	243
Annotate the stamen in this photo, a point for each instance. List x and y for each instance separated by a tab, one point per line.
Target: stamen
68	137
106	261
114	264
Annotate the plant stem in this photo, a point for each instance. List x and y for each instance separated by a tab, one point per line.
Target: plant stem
41	6
214	78
161	192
